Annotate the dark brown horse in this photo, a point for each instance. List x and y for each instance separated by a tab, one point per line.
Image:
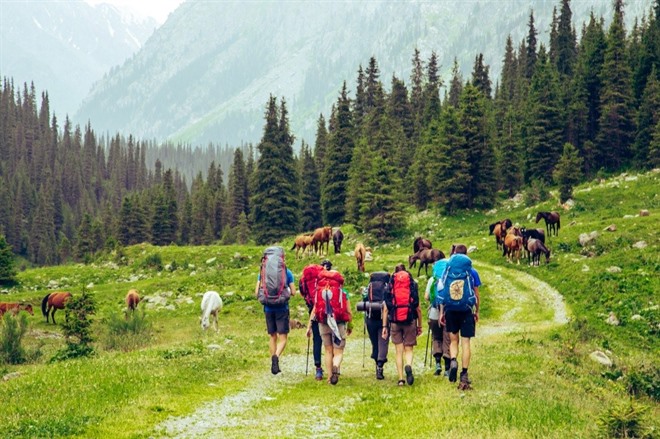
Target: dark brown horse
552	222
15	308
528	234
322	236
337	239
499	229
420	243
54	301
535	247
425	257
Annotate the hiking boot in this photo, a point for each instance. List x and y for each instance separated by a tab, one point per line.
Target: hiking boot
379	373
410	379
335	375
453	369
319	374
464	384
438	369
275	365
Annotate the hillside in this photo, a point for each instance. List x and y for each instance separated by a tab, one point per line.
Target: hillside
202	78
531	370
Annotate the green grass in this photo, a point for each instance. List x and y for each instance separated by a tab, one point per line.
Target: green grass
532	376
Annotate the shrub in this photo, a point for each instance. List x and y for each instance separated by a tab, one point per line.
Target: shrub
127	332
535	193
76	327
624	420
645	381
13	330
153	261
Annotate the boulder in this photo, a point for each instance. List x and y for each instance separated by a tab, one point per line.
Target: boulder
587	238
640	244
11	376
211	260
610	228
612	319
613	269
636	317
472	248
601	358
644	212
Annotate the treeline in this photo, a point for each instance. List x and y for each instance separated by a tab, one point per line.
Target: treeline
560	113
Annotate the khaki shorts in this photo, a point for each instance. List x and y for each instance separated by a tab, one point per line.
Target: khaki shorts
326	335
404	333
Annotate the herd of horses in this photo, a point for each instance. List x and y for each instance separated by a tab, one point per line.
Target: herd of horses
513	240
312	243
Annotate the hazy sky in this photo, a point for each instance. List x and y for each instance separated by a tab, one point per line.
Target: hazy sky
158	9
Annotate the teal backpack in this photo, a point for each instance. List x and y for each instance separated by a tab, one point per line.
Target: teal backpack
458	292
436	287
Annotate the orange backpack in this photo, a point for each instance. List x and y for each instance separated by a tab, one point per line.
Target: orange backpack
402	297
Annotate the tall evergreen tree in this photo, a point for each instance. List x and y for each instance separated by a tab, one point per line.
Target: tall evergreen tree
357	178
509	72
432	90
567	173
480	77
566	41
310	192
530	54
165	219
456	85
84	241
238	189
7	262
320	145
647	118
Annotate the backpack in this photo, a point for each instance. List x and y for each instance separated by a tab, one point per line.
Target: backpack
329	284
273	289
307	283
379	284
402	298
438	284
458	293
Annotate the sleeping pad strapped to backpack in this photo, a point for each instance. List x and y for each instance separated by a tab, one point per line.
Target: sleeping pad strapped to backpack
273	289
329	284
402	283
458	292
307	283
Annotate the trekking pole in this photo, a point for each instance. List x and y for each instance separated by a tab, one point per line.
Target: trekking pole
426	351
307	363
364	340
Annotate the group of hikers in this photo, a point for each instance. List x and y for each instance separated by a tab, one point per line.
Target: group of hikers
392	311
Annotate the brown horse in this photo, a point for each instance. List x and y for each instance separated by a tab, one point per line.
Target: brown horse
499	230
535	247
360	253
513	244
337	239
15	308
322	235
301	243
54	301
132	300
420	243
552	222
425	257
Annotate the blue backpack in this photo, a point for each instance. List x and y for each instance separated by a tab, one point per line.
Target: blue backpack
458	292
435	293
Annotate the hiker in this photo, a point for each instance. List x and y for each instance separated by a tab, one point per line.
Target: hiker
440	337
404	318
307	287
275	286
460	310
332	312
374	302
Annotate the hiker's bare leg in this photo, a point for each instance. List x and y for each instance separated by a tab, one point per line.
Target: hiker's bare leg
465	346
328	358
453	345
337	356
272	344
408	355
399	359
281	343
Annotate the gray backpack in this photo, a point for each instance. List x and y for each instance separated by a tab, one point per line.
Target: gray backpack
273	289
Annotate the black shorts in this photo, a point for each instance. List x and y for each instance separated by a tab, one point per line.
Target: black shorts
277	321
460	320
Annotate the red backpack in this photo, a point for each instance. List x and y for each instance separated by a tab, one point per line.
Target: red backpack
307	282
331	281
402	297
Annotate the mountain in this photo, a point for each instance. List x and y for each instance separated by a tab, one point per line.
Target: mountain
206	74
65	46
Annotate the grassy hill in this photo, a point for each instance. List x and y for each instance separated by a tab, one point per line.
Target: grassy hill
531	372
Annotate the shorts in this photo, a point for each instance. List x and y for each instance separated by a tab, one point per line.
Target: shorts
326	335
405	333
460	320
277	322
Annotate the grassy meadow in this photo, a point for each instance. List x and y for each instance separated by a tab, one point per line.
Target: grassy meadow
531	371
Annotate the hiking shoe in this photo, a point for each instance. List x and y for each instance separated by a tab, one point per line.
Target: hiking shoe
464	384
446	374
319	374
275	365
453	369
410	379
335	375
379	373
438	369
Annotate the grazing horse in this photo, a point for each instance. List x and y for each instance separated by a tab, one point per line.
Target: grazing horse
54	301
15	308
535	247
360	254
513	244
211	306
528	234
132	300
425	257
301	243
552	222
420	243
337	239
322	235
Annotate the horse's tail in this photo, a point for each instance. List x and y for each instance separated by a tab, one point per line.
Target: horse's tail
44	304
558	223
294	246
491	228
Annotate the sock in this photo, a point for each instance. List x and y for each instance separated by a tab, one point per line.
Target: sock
447	361
464	371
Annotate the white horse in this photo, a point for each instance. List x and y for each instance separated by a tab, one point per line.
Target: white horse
211	306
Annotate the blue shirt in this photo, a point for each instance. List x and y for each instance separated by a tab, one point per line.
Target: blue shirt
285	306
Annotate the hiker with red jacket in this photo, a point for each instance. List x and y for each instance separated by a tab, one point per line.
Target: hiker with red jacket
307	287
402	318
275	286
332	312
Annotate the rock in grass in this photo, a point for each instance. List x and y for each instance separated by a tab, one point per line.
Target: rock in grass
610	228
644	212
587	238
640	244
601	358
612	319
11	376
614	269
472	248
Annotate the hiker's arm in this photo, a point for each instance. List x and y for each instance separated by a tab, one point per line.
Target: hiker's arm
442	320
427	297
384	331
256	289
292	286
476	308
419	320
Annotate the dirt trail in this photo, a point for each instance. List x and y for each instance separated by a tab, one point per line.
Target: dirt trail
235	415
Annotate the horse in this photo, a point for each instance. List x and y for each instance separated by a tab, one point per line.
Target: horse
320	236
531	234
211	306
337	239
425	257
420	243
54	301
552	222
132	300
15	308
535	247
513	244
301	242
499	229
360	254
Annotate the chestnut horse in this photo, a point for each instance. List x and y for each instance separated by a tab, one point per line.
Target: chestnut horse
132	300
552	221
360	253
425	257
301	242
54	301
322	235
513	244
499	228
337	239
15	308
535	247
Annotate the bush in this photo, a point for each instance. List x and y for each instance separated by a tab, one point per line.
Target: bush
624	420
76	327
153	261
645	381
127	332
13	330
535	193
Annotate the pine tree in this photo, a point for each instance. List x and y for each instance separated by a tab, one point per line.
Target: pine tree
357	178
509	72
380	211
84	241
399	108
432	90
567	173
320	146
510	156
456	85
654	148
238	189
360	109
7	262
480	77
185	221
647	118
566	41
530	54
417	89
310	191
